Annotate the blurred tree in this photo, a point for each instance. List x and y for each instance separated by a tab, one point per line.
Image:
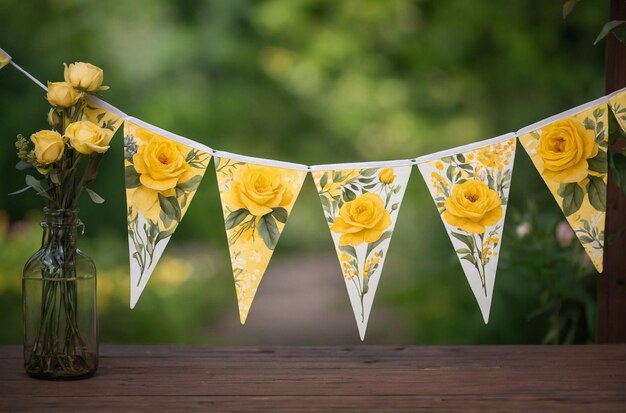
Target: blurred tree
317	81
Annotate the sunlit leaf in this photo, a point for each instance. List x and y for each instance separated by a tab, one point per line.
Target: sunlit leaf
97	199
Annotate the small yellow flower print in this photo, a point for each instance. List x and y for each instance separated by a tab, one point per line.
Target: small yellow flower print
386	176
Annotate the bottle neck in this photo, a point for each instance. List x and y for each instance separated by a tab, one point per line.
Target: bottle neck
60	227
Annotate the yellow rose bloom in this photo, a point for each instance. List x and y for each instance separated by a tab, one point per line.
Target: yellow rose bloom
146	201
87	137
472	206
161	164
362	220
84	76
258	189
62	94
386	176
564	148
49	146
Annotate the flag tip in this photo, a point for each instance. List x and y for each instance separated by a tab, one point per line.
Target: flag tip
485	315
134	297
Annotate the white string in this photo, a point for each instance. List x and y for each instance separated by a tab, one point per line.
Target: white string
262	161
361	165
28	75
169	135
197	145
465	148
107	106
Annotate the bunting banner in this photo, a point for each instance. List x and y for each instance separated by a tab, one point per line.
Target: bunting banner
470	186
5	58
570	152
257	197
361	203
162	174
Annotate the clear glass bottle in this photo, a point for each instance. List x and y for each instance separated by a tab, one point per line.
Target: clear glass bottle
59	303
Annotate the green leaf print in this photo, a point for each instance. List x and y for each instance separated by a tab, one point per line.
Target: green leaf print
268	230
573	197
596	190
235	218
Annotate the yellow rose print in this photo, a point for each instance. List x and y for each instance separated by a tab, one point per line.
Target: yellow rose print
256	201
162	177
361	206
470	189
472	207
571	156
564	147
161	164
362	220
258	189
146	201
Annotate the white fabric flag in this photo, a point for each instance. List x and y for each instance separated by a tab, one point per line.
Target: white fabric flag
361	203
569	151
470	186
162	174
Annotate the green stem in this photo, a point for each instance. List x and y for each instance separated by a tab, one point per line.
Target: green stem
480	264
58	344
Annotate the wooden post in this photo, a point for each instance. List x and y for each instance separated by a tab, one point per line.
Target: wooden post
612	283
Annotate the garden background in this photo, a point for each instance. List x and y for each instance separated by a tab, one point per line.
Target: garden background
313	81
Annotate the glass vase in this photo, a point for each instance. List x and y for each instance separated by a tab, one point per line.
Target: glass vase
59	303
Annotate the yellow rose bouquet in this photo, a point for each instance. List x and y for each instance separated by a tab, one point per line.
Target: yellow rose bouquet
57	153
60	321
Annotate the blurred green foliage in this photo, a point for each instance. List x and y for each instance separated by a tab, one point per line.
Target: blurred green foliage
316	81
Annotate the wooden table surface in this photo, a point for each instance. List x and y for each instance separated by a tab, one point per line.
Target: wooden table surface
589	378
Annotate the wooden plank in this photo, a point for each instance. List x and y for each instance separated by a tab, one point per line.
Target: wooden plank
363	403
364	378
612	283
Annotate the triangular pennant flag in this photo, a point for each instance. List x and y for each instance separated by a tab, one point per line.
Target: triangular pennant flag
617	102
162	174
5	58
257	196
103	115
470	186
361	203
570	152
